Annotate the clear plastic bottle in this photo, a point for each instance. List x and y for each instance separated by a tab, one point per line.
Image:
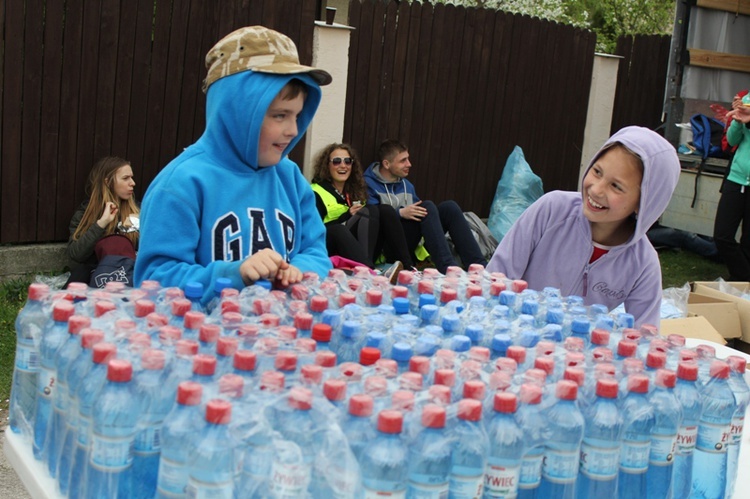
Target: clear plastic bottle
180	427
291	471
470	451
687	393
533	423
562	449
714	434
211	459
600	450
636	439
67	353
667	422
384	462
739	386
356	424
430	456
115	419
54	335
506	439
29	323
87	393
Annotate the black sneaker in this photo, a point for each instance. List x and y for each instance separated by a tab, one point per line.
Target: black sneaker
392	272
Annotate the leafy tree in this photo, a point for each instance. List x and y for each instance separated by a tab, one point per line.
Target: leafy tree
610	19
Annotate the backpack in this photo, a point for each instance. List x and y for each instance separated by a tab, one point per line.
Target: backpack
486	241
707	134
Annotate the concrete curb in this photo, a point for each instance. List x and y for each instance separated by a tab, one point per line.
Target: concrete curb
30	259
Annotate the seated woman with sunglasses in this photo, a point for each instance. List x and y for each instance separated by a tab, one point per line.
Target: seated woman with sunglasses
354	230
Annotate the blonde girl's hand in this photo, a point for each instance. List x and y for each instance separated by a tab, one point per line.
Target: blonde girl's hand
264	264
108	215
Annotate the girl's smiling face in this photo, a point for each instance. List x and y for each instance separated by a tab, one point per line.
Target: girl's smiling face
340	172
612	187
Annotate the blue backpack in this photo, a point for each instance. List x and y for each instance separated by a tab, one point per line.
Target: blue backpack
707	133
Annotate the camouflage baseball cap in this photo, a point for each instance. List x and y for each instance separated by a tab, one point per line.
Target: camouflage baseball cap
257	48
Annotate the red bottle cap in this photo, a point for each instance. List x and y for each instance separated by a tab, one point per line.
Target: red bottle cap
193	319
566	389
139	341
204	364
103	352
688	355
439	394
119	370
520	285
719	369
169	334
318	303
420	364
350	371
209	333
445	377
76	323
376	386
186	347
405	277
665	378
603	370
368	356
496	288
546	364
474	389
473	290
156	320
426	287
218	411
687	371
189	393
249	331
505	402
656	359
626	348
244	360
286	333
180	307
272	381
638	383
538	376
231	385
153	359
737	364
480	354
390	421
300	398
286	361
433	416
575	359
361	405
305	345
90	337
411	381
402	400
607	388
299	292
506	364
447	295
325	358
230	305
347	298
575	375
311	374
303	321
573	344
270	320
321	332
144	307
373	297
500	381
334	389
38	291
517	353
63	310
531	393
599	337
469	410
387	367
226	346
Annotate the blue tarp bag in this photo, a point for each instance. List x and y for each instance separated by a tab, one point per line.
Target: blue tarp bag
707	133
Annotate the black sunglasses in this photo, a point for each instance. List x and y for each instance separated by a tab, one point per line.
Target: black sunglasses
337	161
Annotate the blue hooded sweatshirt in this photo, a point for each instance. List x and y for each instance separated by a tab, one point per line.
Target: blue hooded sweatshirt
550	244
212	206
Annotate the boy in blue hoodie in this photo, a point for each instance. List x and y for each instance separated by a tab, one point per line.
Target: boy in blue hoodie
232	204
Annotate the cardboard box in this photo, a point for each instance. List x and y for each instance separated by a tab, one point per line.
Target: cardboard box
711	289
722	314
692	327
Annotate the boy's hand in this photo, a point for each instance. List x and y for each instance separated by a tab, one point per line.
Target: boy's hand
264	264
289	275
108	215
413	211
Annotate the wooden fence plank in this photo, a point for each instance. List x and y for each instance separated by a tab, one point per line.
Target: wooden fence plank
124	83
106	80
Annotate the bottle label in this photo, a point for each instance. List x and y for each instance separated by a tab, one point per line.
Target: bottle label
84	427
686	440
173	477
531	471
466	487
738	424
501	481
290	480
27	358
46	382
148	440
197	489
634	456
428	490
111	453
599	463
380	494
713	438
662	450
560	466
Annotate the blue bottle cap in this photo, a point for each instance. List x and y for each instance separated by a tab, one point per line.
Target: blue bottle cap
500	342
605	322
401	305
549	292
526	321
264	284
456	305
426	345
460	343
374	339
350	329
434	330
507	298
530	307
429	312
552	332
529	338
475	332
427	300
625	320
222	283
387	309
555	315
333	318
477	302
451	323
410	320
401	351
580	326
501	326
574	301
598	309
500	312
579	311
193	290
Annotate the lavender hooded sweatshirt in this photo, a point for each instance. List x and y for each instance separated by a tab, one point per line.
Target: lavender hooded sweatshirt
550	243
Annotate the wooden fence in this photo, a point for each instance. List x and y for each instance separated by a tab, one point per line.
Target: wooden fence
82	79
461	87
641	81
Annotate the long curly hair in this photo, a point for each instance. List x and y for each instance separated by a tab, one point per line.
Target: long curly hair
354	185
99	190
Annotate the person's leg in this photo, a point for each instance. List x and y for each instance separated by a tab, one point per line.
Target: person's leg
413	234
675	238
340	241
365	229
745	234
392	239
434	238
453	221
729	213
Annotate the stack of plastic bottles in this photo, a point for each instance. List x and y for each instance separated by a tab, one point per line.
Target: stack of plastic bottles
459	385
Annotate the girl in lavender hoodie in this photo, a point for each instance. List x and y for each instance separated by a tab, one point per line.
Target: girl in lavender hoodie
593	243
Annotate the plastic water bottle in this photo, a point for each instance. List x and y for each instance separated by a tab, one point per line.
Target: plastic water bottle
348	345
356	424
154	404
194	293
533	424
667	422
29	324
430	456
562	450
211	458
506	439
78	369
714	434
691	401
741	391
291	471
180	427
600	450
470	451
54	335
384	461
67	353
86	394
636	438
115	419
321	333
